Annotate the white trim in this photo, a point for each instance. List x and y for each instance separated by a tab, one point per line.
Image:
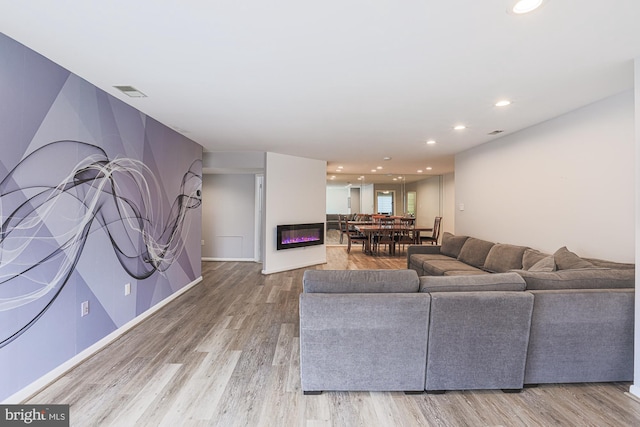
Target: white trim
229	259
319	262
634	391
57	372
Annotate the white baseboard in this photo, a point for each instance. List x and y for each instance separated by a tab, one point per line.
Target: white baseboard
229	259
634	391
295	267
57	372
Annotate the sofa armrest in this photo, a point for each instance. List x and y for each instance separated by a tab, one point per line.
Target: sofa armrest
421	249
473	283
360	281
582	278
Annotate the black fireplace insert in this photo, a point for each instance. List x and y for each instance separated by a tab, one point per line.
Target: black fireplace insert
300	235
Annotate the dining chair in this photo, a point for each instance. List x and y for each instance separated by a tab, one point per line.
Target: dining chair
407	235
353	235
435	235
342	227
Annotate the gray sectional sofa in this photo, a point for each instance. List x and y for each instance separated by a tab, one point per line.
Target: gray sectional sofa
521	318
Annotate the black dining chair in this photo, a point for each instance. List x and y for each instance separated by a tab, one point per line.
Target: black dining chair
435	235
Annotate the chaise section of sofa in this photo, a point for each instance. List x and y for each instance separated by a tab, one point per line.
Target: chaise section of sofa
363	330
583	308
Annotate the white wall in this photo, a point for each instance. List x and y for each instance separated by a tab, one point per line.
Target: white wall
568	181
448	204
635	388
428	200
367	199
228	217
337	199
295	193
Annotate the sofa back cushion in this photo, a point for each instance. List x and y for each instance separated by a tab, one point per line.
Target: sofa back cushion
360	281
451	244
474	252
582	278
504	257
472	283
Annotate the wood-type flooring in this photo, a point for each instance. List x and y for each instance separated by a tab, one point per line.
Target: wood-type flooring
226	353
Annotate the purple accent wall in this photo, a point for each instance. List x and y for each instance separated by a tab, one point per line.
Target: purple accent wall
93	195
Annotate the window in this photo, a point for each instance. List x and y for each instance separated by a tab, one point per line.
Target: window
385	202
411	203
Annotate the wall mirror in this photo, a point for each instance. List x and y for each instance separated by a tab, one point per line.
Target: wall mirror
416	195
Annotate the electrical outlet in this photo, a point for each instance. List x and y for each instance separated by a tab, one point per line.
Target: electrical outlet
84	308
127	288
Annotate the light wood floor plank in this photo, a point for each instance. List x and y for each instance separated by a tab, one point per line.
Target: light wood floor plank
227	353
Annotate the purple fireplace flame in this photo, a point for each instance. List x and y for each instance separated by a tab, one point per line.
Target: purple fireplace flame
300	235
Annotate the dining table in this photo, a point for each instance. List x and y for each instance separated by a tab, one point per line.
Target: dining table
371	230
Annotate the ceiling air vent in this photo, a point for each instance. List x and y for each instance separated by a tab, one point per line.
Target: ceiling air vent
131	91
495	132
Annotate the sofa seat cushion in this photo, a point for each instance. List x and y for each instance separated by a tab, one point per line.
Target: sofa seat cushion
472	283
418	260
503	257
476	272
584	278
474	252
360	281
438	267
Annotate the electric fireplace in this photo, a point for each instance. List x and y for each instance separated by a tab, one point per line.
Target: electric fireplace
300	235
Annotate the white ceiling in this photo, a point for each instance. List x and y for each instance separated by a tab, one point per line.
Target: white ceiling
346	81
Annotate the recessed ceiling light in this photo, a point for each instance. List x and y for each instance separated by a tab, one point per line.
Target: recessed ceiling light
431	142
333	177
429	168
386	158
340	167
378	167
460	127
374	170
131	91
419	171
503	103
526	6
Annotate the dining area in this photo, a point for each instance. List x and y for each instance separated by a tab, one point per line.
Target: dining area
385	234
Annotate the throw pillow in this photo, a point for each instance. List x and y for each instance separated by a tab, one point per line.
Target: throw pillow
545	264
451	244
530	257
567	260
